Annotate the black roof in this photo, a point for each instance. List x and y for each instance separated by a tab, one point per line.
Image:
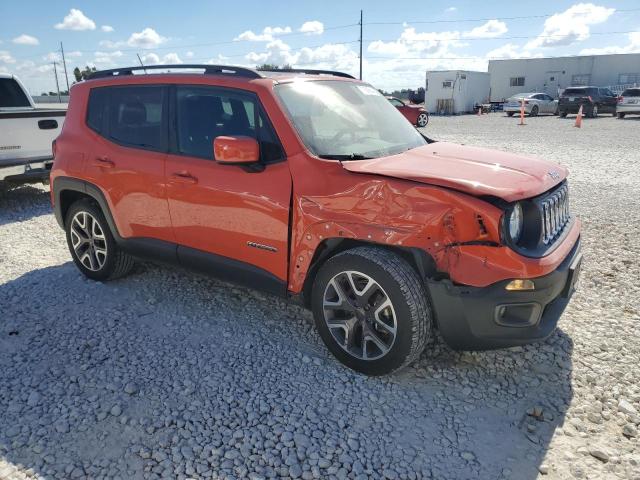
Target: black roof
214	70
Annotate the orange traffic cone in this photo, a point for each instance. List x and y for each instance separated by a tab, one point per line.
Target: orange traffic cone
522	112
579	118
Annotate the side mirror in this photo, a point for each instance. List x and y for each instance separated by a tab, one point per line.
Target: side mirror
236	150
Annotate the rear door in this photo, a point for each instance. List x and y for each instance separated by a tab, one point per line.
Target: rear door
608	99
126	153
234	212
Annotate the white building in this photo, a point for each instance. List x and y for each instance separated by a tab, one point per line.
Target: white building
552	75
455	91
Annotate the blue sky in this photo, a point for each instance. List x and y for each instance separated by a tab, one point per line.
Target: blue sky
400	43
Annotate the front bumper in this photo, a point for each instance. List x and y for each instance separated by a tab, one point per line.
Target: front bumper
482	318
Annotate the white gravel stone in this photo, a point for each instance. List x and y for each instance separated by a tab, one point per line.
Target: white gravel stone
213	381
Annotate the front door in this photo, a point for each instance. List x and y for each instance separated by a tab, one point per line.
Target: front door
236	213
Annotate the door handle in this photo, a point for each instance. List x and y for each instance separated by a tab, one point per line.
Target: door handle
104	162
183	177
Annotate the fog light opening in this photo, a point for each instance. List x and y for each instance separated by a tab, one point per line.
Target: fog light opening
520	285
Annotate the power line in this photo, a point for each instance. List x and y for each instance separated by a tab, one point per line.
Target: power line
526	17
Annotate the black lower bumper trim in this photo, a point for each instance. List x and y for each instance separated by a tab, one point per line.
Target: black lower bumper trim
472	318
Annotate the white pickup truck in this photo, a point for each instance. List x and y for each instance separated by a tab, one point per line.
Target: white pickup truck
26	133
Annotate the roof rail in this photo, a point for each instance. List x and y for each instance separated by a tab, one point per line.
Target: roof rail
208	70
311	72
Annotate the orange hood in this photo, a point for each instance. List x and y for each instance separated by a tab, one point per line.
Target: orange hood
473	170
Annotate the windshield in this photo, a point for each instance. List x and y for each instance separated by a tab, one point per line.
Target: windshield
631	92
346	121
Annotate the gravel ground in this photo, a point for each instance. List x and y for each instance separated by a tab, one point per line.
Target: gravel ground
167	374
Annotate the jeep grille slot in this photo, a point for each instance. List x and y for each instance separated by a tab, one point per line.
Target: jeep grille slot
555	213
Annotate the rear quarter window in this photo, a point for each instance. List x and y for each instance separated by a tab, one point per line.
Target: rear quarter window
133	116
11	95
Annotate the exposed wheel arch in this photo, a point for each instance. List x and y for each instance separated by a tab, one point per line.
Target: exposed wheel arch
419	259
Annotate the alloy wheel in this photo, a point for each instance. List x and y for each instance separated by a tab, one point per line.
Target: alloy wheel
360	315
423	119
88	241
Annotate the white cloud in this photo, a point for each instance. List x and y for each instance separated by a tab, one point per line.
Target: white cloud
76	20
154	59
450	9
418	43
312	27
632	47
570	26
189	54
511	50
268	34
25	39
147	38
493	28
52	57
106	28
5	57
73	54
107	58
111	44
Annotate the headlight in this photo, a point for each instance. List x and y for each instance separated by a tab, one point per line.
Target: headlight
515	222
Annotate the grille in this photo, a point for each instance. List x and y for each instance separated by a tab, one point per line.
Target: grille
555	214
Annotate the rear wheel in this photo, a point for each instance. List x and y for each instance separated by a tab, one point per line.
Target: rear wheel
594	111
423	119
510	114
534	111
371	310
563	113
620	115
91	244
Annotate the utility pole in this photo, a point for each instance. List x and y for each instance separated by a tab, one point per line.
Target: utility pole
55	72
360	44
66	77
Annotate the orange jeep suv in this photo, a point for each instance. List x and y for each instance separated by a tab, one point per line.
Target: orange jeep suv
310	185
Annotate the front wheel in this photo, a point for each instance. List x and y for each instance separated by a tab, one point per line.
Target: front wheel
423	119
510	114
620	115
91	244
371	310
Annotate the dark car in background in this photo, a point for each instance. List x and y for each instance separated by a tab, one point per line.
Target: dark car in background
594	100
629	102
416	114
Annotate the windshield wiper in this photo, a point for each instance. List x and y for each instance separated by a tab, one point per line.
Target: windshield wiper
353	156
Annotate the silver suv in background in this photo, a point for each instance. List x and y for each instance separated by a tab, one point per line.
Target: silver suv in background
534	104
629	102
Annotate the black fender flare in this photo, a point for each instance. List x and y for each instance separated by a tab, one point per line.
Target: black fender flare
64	184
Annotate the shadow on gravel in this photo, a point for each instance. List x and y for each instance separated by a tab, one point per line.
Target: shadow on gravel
22	202
166	374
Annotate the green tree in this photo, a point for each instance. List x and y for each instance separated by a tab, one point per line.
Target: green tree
83	74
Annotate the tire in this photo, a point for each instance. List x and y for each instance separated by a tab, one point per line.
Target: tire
534	111
593	113
510	114
343	295
423	119
563	113
620	115
96	253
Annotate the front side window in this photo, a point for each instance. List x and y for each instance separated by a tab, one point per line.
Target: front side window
132	116
204	113
346	120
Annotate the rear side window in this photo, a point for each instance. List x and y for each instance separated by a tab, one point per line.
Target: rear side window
631	92
204	113
11	95
132	116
